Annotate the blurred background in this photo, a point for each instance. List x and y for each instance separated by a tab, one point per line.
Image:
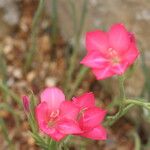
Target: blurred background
41	44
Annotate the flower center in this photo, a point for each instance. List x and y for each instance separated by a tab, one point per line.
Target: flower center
113	56
53	118
81	113
54	114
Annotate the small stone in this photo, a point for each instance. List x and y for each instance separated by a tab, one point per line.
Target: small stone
17	73
50	81
30	76
44	43
31	141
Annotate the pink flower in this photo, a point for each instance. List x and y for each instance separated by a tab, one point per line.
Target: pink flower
90	117
25	100
55	116
110	53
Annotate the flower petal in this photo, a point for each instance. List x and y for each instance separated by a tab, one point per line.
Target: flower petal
86	100
57	136
120	68
98	133
91	118
103	73
96	40
68	110
42	112
95	59
68	126
131	54
119	38
53	97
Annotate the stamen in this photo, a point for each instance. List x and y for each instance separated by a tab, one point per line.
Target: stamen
81	113
113	56
54	114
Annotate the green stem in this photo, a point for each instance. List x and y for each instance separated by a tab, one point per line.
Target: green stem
137	141
73	15
122	94
49	143
34	32
77	43
53	145
54	17
122	110
121	87
83	16
72	63
3	68
146	87
5	89
79	78
110	120
6	134
4	106
138	102
122	97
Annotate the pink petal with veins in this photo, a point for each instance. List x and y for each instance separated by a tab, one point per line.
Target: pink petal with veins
42	114
53	97
57	136
119	38
96	40
68	126
68	110
84	101
91	118
98	133
103	73
95	59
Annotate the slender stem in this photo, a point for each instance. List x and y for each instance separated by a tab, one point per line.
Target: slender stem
34	32
3	72
122	96
49	143
72	62
79	78
6	134
73	14
122	110
83	16
52	145
110	120
138	102
137	141
54	17
3	68
121	87
146	87
77	43
4	106
5	89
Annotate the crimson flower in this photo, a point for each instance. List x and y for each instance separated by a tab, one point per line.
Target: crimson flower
110	53
90	117
55	116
